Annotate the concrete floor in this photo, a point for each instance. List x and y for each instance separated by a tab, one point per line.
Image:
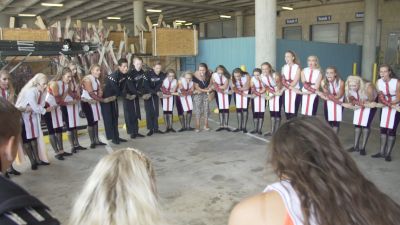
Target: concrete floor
200	176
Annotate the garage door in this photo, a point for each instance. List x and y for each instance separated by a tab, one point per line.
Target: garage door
325	33
355	32
292	33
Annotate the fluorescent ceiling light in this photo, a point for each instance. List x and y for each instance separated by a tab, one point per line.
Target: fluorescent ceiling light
225	16
155	24
180	21
154	10
178	24
188	24
113	18
287	8
52	4
26	15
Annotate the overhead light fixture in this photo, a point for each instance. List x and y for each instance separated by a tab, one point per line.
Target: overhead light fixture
225	16
113	18
180	21
178	24
26	15
47	4
154	10
287	8
188	24
155	24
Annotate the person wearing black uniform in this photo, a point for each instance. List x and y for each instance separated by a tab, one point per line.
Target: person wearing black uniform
151	87
113	86
131	93
17	206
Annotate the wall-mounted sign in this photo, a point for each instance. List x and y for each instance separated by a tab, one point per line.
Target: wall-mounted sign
324	18
292	21
359	14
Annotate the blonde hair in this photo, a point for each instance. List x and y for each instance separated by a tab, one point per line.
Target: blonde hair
316	61
77	77
10	85
120	190
354	79
34	82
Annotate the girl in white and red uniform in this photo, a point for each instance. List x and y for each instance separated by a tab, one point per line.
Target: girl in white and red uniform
389	94
290	79
241	87
169	86
311	78
8	93
31	102
185	89
220	82
258	103
91	97
333	92
57	91
273	84
360	93
71	110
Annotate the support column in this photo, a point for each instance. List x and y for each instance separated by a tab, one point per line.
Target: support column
239	23
265	32
4	21
138	15
369	41
202	30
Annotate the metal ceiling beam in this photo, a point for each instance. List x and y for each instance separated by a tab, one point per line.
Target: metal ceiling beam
5	4
105	12
82	9
67	6
28	5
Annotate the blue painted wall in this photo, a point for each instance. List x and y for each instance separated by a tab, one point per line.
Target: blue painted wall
233	52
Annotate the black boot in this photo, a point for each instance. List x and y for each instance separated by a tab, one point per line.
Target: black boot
255	122
277	125
382	149
221	122
13	171
28	151
91	136
390	146
76	141
166	122
188	121
357	135
71	140
60	145
226	122
96	136
35	150
261	121
171	122
53	142
239	121
245	119
269	134
365	133
183	123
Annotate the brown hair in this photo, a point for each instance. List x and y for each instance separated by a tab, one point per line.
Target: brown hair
329	185
296	59
65	70
390	69
236	70
171	71
325	82
10	120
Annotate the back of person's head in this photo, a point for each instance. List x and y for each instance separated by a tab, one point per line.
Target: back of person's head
10	130
306	151
120	190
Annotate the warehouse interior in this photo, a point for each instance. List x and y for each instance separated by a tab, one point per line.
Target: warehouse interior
199	176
